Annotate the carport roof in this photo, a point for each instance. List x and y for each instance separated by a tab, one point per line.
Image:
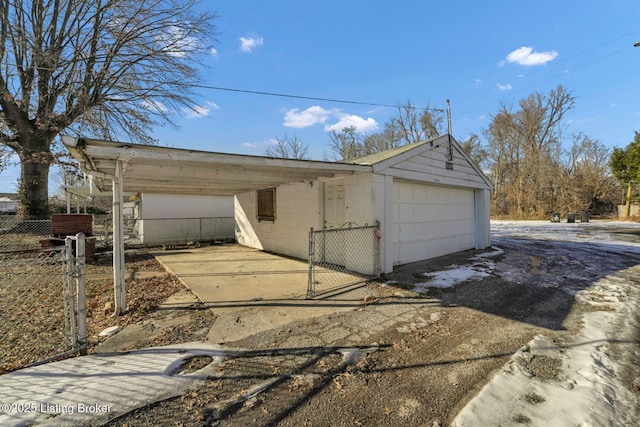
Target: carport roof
149	168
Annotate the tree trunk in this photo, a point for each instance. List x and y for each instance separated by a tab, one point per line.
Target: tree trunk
34	186
627	207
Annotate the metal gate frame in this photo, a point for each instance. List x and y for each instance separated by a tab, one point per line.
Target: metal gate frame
342	257
76	292
75	301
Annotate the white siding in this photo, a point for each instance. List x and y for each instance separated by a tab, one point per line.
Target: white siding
359	199
155	206
361	208
298	208
430	167
176	218
181	230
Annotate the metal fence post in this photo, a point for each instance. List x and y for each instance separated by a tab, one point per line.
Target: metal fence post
80	287
377	240
311	261
70	304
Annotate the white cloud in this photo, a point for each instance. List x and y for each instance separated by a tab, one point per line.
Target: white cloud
316	115
157	106
247	44
213	52
504	87
250	145
199	111
526	56
301	119
176	42
478	81
361	125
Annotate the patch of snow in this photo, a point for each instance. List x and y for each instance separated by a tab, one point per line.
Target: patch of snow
451	277
351	356
109	331
585	392
594	262
480	267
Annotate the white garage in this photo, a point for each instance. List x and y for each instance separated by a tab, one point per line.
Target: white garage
431	200
428	198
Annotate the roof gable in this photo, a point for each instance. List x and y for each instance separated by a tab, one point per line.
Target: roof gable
384	161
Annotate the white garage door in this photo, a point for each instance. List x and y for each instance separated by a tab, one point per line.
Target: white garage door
431	221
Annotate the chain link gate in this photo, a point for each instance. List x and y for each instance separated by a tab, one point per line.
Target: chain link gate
42	299
341	257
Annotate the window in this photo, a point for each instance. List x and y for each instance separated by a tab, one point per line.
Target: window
267	204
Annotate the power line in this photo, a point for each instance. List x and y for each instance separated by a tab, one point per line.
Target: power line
312	98
283	95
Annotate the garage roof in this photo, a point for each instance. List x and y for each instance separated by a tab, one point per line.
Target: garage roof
149	168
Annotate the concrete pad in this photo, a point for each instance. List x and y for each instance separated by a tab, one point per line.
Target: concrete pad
251	291
237	274
235	323
90	390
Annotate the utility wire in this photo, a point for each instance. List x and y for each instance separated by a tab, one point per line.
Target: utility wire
312	98
284	95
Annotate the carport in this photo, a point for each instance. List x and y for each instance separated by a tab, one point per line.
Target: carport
134	168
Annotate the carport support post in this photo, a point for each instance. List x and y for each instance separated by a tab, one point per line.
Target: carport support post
118	242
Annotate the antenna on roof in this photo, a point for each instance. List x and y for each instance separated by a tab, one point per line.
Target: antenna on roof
449	130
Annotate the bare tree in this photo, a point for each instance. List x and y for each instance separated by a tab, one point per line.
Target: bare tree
474	149
414	125
288	148
408	126
390	137
100	68
588	184
346	144
525	146
5	157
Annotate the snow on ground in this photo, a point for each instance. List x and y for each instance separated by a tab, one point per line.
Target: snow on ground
515	234
455	274
575	383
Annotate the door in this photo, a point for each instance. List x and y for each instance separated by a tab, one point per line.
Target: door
334	217
430	221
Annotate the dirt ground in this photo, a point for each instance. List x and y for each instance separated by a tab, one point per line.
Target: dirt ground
417	373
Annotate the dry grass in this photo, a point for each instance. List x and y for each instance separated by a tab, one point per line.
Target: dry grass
32	322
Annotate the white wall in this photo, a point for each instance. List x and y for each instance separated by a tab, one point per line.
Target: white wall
483	219
176	218
156	206
298	208
364	205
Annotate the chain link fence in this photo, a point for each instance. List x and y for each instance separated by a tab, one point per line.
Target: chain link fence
42	307
341	257
103	230
22	235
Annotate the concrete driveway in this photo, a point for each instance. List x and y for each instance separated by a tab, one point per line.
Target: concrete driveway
250	290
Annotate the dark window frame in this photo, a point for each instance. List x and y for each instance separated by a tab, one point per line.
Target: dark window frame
266	204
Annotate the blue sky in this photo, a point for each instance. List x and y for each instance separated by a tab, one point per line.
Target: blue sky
476	54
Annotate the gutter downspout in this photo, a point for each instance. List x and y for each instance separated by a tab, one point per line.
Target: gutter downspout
449	130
